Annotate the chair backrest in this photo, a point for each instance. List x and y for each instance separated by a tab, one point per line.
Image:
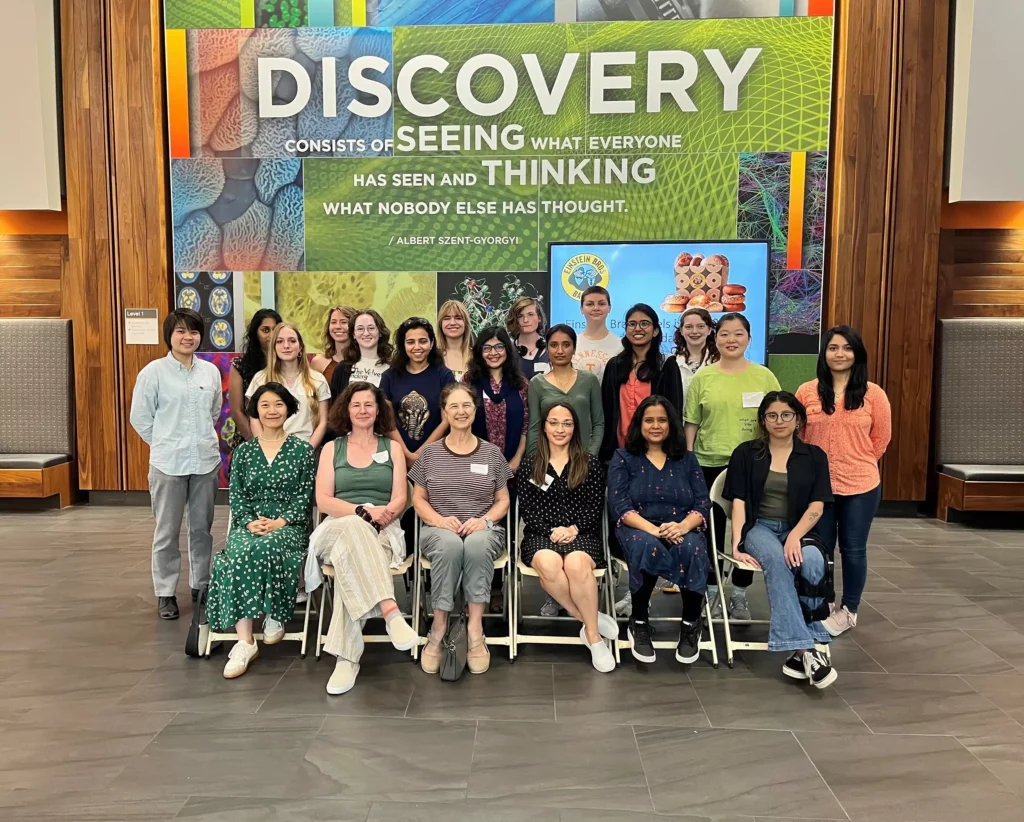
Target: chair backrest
36	387
981	392
715	492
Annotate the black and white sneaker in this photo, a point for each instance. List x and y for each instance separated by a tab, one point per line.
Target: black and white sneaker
818	669
639	634
794	666
688	648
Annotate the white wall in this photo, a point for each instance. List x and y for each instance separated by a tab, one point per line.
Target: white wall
987	119
29	148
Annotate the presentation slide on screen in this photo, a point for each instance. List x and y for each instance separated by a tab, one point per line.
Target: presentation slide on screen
670	277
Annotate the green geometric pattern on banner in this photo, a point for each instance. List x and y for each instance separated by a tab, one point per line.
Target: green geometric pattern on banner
343	12
783	100
202	14
793	370
693	196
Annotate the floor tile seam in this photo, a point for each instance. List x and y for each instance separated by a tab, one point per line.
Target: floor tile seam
984	764
700	702
821	776
869	656
274	687
643	769
963	678
472	761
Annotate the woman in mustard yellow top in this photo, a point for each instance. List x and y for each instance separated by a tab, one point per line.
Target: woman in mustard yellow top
720	413
849	419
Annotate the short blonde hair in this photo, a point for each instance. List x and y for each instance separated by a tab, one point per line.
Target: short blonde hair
512	320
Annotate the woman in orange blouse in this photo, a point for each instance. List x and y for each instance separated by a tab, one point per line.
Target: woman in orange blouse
849	419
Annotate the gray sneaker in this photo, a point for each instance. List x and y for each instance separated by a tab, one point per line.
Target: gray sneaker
716	606
738	607
550	608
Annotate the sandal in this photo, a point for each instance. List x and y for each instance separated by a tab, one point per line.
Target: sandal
430	660
478	662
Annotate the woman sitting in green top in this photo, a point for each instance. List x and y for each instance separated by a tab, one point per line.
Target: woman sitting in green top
563	383
361	485
271	496
720	413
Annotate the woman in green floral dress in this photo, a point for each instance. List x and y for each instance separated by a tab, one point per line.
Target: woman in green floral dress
271	499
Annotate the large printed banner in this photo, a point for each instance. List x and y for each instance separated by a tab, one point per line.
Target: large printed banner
395	154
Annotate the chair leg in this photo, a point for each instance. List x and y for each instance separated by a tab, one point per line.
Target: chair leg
320	617
711	632
305	627
416	608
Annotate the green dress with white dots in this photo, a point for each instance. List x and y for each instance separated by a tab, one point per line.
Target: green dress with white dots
257	575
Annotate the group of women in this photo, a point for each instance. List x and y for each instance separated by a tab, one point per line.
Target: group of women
474	433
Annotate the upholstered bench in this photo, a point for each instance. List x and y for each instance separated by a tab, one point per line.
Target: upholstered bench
980	416
37	410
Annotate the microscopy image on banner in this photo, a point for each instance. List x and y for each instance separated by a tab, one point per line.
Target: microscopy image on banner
489	295
214	296
723	276
601	10
237	214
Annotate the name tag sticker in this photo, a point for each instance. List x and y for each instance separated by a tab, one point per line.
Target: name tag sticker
380	457
478	468
752	399
547	482
541	368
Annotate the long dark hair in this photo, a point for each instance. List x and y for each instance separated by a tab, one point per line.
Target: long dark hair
649	368
675	443
579	461
709	353
340	420
384	349
253	358
478	369
399	359
795	405
857	387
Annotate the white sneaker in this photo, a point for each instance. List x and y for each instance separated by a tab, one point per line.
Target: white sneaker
239	658
402	636
601	656
624	607
550	607
273	631
607	626
343	678
840	621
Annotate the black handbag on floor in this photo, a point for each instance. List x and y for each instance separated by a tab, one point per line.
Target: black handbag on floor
454	647
825	589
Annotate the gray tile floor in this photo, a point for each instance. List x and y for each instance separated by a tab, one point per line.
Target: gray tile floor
102	717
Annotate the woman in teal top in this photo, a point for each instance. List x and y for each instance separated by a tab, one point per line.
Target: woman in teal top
271	496
361	486
563	383
720	413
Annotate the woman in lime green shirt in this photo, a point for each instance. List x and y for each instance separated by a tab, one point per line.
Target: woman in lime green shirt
720	413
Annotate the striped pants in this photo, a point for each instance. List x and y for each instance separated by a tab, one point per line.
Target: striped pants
362	580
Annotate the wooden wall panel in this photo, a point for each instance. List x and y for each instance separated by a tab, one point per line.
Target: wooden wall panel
89	288
887	202
981	273
30	274
140	203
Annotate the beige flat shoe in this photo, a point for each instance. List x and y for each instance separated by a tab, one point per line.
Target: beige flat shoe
430	658
478	660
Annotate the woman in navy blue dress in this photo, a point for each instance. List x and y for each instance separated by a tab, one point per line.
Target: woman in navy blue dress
659	504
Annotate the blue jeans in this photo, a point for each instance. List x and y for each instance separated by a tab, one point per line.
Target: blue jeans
849	518
788	631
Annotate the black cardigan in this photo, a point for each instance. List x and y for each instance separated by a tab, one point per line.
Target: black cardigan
667	382
806	469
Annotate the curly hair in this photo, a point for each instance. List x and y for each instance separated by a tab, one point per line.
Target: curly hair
340	420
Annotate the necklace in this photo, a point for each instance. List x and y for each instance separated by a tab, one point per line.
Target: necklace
279	439
563	385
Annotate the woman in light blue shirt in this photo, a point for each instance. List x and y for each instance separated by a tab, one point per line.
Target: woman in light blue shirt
175	406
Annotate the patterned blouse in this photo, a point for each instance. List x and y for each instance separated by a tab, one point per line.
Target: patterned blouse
494	414
668	494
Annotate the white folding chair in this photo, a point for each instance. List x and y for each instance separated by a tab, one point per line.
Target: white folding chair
718	553
501	563
521	571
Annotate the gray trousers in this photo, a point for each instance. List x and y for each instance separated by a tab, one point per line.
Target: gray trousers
169	496
452	557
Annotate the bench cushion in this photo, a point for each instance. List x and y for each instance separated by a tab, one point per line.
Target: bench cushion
983	473
32	461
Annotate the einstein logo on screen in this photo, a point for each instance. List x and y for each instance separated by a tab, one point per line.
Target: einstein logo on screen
583	271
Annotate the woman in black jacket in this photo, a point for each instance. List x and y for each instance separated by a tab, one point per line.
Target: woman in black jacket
640	371
779	487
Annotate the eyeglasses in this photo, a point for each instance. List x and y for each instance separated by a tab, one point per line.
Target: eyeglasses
568	425
497	348
785	416
644	324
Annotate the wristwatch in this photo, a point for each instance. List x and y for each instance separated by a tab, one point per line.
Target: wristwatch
490	523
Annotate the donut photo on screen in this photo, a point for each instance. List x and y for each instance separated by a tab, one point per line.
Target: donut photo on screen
719	276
